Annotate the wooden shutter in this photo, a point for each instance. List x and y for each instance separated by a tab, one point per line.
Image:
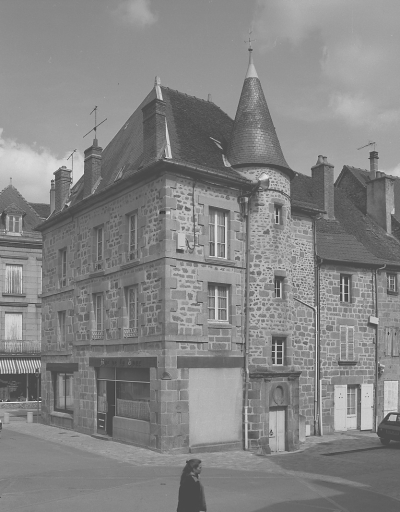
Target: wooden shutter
350	344
343	342
13	326
14	279
395	341
388	341
367	405
340	408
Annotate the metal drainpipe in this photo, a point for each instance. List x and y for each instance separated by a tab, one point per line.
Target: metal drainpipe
247	326
376	345
316	360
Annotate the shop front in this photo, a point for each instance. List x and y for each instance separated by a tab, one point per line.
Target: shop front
18	381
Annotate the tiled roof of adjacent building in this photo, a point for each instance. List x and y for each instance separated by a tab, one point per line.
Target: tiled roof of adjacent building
42	209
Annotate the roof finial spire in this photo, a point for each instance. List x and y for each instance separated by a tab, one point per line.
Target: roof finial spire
251	70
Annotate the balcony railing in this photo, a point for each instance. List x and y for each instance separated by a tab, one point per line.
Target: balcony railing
20	347
131	332
97	335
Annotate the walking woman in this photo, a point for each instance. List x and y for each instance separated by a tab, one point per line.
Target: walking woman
191	491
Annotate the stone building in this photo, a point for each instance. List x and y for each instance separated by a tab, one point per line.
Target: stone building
200	294
20	305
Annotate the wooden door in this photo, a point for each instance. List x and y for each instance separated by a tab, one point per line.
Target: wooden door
277	429
367	406
340	408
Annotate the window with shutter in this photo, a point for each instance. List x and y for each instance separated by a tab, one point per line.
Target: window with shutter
13	326
347	352
13	279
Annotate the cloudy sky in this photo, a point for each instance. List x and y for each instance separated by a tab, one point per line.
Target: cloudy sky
330	71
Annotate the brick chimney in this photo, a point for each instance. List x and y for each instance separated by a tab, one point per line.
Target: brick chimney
380	200
323	186
373	164
62	183
52	197
92	168
154	131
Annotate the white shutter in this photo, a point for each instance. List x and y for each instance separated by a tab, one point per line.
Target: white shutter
343	342
390	396
350	344
14	279
13	326
367	405
340	410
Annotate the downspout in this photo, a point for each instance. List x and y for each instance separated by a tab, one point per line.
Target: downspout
376	345
246	205
317	267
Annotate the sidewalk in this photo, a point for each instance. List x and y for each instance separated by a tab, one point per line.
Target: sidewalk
240	460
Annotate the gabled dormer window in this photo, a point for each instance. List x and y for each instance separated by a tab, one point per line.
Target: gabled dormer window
14	223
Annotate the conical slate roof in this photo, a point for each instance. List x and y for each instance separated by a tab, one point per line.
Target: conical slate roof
253	139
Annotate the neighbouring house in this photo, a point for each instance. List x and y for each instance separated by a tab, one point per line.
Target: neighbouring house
199	294
21	288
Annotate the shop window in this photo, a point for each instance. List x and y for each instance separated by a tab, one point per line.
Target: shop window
391	283
131	297
218	296
63	392
13	284
218	233
345	288
133	393
13	326
278	351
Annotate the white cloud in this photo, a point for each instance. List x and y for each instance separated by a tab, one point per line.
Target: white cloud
31	168
136	12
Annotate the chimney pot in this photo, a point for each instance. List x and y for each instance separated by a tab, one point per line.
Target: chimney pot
373	164
62	183
323	186
92	168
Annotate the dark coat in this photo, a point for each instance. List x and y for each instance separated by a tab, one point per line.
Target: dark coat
191	495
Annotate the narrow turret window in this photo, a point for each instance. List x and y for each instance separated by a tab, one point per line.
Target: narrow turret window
278	219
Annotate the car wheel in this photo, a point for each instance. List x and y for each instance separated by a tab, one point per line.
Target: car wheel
384	441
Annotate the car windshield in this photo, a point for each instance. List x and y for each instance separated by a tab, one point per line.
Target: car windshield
392	418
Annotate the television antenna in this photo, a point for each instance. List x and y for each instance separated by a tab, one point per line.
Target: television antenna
366	145
95	124
71	156
250	41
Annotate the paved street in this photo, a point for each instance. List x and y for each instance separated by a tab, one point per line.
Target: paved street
45	469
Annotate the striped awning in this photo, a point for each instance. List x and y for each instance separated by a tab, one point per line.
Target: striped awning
14	365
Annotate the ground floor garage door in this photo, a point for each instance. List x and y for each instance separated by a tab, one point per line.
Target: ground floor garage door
215	406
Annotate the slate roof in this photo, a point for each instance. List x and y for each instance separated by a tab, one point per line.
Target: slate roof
42	209
253	139
10	196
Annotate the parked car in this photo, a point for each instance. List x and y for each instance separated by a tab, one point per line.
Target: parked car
389	428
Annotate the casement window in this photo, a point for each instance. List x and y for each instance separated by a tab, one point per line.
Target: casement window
351	400
131	331
13	326
98	310
14	223
61	331
133	237
99	248
278	218
63	392
391	282
347	343
218	296
345	288
218	232
63	267
278	351
278	287
13	282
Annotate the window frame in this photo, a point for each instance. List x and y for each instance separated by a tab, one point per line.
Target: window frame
98	320
63	267
215	243
14	219
278	287
64	409
132	324
345	296
394	288
61	326
133	249
218	299
278	356
9	281
278	214
99	248
347	343
18	315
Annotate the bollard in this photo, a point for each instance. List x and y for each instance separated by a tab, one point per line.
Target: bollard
6	418
29	417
